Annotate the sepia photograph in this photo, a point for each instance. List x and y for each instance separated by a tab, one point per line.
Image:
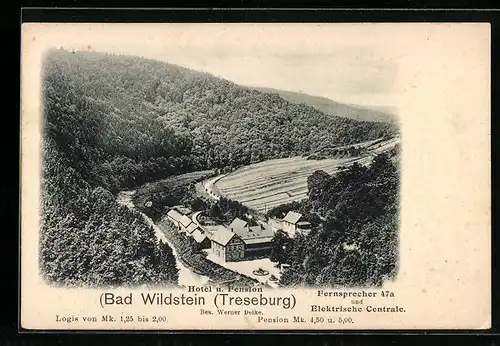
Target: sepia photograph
239	158
177	175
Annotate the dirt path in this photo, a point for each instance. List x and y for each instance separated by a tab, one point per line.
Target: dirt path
186	276
209	187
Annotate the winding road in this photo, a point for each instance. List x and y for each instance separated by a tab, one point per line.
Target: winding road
186	276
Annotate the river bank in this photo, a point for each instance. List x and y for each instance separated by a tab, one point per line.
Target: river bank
186	276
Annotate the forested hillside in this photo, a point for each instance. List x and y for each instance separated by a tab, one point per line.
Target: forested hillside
87	239
114	122
147	119
356	244
328	106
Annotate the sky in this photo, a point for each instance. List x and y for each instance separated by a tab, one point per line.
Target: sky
350	63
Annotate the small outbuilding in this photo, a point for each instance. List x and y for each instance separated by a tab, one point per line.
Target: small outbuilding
201	239
175	217
294	223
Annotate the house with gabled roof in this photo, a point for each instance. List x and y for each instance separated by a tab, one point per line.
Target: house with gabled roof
257	239
191	228
181	222
227	245
201	239
184	223
294	223
238	224
174	216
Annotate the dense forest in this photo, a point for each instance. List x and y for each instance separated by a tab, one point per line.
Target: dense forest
328	106
113	122
87	239
145	119
356	244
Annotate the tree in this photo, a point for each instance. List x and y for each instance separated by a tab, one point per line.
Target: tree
198	204
281	247
292	277
355	243
167	273
215	210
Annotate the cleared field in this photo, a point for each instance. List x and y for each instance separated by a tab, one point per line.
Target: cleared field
267	184
270	183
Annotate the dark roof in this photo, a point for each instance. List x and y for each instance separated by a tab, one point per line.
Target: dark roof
238	223
292	217
258	240
222	236
255	234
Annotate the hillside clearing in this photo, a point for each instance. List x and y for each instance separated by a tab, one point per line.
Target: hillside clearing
270	183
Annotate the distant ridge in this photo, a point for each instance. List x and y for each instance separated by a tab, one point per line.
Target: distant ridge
328	106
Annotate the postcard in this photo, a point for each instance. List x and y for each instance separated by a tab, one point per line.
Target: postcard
255	176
